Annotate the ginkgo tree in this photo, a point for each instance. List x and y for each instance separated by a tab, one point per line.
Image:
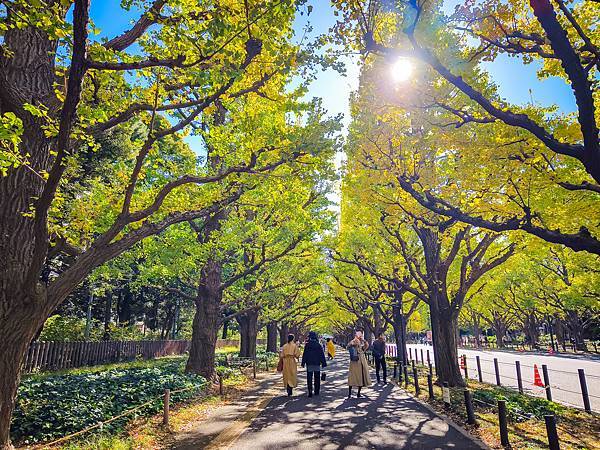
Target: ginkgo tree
61	90
535	168
443	260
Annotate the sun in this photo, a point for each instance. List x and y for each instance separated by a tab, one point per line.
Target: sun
402	70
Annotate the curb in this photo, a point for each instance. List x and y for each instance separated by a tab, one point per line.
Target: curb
447	419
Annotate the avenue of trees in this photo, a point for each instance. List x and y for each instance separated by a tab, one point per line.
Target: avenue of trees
175	176
101	197
480	213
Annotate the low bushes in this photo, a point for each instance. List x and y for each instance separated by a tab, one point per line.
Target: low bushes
56	405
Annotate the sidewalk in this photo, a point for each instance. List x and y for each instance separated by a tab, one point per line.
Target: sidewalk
224	424
385	418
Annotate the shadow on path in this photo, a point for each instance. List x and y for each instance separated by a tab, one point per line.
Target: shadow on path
386	418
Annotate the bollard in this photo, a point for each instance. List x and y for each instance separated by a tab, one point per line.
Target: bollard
405	368
584	391
267	363
551	432
430	369
503	423
519	379
412	364
446	394
428	360
166	398
547	382
430	386
410	352
422	359
464	357
395	370
497	370
220	385
254	368
479	374
469	407
416	381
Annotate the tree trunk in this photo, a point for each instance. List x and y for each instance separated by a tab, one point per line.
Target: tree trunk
18	326
399	325
107	315
248	331
530	328
477	330
283	334
445	347
225	329
126	300
574	323
500	332
559	330
272	337
205	327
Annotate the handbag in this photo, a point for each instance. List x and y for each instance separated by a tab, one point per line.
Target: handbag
353	353
280	365
323	376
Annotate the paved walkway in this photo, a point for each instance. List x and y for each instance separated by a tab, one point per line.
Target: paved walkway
224	424
386	418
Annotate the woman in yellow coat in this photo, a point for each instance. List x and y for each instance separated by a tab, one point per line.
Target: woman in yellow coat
330	349
358	371
290	354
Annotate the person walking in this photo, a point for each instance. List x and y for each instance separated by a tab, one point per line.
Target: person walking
358	370
330	349
290	354
313	358
379	356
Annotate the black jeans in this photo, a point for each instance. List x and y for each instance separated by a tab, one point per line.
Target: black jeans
380	363
316	378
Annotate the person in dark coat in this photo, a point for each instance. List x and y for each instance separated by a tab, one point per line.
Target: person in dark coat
378	350
313	358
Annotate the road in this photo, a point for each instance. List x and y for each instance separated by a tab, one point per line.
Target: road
562	371
386	418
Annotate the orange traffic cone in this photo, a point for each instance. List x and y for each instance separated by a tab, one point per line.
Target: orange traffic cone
537	380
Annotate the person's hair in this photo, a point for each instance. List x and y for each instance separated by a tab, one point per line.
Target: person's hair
291	337
328	339
380	335
313	336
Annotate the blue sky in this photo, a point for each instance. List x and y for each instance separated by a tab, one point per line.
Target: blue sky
512	77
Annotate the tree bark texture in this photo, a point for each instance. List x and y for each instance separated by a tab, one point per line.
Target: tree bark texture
444	318
248	323
283	333
272	337
205	327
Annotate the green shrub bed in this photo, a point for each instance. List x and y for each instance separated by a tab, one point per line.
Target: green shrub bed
53	406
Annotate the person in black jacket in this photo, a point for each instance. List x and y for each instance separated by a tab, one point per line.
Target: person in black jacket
378	350
313	358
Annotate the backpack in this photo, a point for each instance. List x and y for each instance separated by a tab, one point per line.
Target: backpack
353	353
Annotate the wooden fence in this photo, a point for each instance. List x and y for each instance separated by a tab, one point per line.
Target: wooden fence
65	355
236	343
47	356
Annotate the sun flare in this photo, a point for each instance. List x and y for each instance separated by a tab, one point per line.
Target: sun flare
402	70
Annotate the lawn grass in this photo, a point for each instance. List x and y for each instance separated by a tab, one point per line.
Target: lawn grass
576	428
